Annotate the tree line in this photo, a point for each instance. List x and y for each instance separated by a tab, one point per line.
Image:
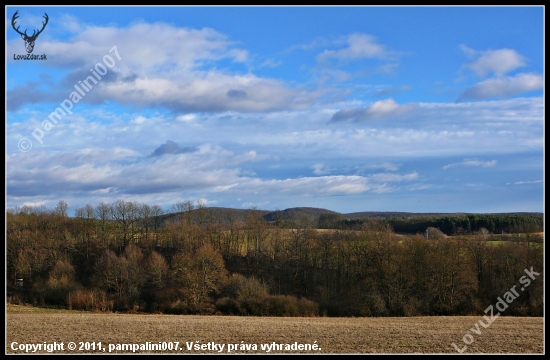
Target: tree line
450	225
124	257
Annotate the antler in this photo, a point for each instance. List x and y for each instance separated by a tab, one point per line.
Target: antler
34	33
43	23
15	16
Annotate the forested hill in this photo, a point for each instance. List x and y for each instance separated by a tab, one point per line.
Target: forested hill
398	214
403	222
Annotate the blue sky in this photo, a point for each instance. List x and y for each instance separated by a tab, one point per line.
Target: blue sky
418	109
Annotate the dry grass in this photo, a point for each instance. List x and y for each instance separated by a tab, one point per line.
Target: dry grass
333	335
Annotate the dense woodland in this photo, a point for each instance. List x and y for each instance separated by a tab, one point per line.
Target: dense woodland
451	224
128	256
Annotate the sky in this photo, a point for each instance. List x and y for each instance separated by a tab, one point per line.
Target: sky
367	108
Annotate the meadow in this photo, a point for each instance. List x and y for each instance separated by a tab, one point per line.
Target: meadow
239	334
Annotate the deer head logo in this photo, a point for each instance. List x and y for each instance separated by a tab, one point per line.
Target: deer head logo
29	40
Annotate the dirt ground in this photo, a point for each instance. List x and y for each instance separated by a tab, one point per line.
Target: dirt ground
44	331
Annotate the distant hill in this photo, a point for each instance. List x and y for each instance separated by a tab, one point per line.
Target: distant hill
395	214
227	215
218	214
297	214
311	215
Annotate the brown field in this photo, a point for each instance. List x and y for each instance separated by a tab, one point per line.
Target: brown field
430	335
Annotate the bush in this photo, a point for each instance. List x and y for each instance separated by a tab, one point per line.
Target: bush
435	234
229	306
243	296
177	307
90	300
239	287
307	307
286	305
255	306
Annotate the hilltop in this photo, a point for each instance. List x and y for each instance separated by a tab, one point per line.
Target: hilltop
319	217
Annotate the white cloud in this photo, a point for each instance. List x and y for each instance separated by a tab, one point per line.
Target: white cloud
385	166
359	46
206	202
500	62
325	185
472	162
71	23
503	87
526	182
387	90
379	109
139	120
464	129
186	117
383	107
122	173
162	65
469	51
320	169
209	91
254	205
271	63
391	177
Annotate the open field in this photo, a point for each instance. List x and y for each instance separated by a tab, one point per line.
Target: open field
332	335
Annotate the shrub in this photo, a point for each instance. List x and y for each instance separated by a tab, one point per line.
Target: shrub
435	234
239	287
90	300
177	307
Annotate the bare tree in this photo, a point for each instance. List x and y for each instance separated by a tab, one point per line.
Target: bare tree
157	269
62	208
183	210
86	218
156	213
103	214
125	213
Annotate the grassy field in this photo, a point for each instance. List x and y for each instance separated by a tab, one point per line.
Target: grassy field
430	335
